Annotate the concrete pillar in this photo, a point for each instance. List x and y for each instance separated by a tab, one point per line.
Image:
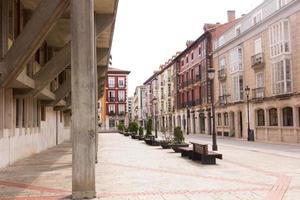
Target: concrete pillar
83	99
1	112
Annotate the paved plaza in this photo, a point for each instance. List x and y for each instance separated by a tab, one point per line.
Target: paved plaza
130	169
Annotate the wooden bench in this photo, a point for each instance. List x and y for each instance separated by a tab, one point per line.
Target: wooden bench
200	152
185	151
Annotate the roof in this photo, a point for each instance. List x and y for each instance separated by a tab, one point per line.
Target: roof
119	71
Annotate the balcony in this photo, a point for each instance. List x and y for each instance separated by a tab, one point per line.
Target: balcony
111	113
111	99
257	61
223	100
222	74
111	85
258	93
121	100
122	113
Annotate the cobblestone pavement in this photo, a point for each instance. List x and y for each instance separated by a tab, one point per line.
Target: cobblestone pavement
130	170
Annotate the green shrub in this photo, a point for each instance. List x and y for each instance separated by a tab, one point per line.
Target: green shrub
178	135
133	127
149	127
121	126
141	131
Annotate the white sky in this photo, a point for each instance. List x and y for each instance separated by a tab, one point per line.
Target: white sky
149	32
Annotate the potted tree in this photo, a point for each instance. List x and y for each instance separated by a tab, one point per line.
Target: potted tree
141	133
121	127
166	142
178	140
134	127
126	131
149	137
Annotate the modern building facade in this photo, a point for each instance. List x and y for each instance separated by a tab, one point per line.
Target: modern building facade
139	106
53	56
114	108
260	52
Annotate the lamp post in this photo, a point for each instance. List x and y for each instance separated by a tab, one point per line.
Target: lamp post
187	119
211	76
155	123
250	136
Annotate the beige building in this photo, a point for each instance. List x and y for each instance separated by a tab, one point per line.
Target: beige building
262	51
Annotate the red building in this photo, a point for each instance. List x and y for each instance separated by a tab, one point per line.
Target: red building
114	103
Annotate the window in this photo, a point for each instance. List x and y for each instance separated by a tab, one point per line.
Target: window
111	95
238	30
222	63
226	119
238	87
121	95
187	59
121	109
257	46
273	117
43	113
287	115
282	77
260	117
111	82
221	40
17	112
200	51
111	108
236	59
281	3
121	82
257	17
192	56
279	36
219	119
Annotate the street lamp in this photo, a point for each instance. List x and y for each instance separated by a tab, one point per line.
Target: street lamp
250	134
211	76
155	125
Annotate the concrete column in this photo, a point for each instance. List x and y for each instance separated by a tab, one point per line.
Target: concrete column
280	122
20	115
267	124
83	99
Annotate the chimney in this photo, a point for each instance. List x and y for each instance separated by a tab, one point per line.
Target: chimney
231	15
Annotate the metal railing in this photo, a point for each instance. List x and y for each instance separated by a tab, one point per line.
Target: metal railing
258	93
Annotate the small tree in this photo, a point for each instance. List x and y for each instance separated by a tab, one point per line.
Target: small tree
141	131
178	136
133	127
121	126
149	127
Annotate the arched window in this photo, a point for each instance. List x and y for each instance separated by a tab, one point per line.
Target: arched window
226	119
273	117
287	116
260	117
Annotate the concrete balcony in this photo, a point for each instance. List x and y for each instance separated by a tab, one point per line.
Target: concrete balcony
257	61
258	93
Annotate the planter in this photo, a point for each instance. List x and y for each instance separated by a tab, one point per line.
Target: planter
134	136
127	134
176	146
141	137
165	144
151	141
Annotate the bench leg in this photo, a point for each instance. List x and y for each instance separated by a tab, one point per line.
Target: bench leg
207	160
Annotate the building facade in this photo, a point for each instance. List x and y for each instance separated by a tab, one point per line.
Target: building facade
260	52
129	110
114	108
139	106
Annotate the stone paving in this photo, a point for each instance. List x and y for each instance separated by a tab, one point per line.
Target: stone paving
130	170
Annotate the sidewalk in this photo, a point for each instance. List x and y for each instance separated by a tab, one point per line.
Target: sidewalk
129	169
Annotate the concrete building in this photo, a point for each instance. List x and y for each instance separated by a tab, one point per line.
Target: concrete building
114	101
151	99
138	106
262	52
51	67
166	95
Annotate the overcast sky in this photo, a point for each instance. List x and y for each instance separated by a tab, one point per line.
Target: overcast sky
149	32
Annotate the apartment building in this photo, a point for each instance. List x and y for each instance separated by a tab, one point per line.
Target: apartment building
260	52
115	98
129	110
151	99
138	106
